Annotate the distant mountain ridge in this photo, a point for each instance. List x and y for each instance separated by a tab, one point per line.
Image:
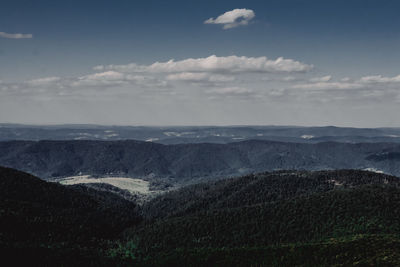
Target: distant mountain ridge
49	159
198	134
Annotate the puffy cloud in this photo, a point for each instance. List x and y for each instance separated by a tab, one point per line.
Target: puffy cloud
376	85
233	18
368	88
289	79
328	86
114	78
228	64
380	79
102	78
215	77
231	91
321	79
16	35
188	76
199	77
44	81
366	83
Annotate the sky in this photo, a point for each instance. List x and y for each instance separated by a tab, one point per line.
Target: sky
286	62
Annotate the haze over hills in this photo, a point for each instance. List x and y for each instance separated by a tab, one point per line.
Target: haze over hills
198	134
185	162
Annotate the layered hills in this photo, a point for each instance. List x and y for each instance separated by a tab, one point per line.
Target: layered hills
49	159
198	134
283	218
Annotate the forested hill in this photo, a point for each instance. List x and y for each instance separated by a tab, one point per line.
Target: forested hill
285	218
47	224
256	189
191	161
327	218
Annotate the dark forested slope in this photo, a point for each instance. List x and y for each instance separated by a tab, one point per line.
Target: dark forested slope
191	161
284	218
259	188
277	214
45	220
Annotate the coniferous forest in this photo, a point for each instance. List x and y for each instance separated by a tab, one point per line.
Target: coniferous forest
283	218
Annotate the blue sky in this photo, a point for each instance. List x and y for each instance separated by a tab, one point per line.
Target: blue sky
350	50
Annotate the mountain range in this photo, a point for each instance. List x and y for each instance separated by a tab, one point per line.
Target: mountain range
192	162
198	134
283	218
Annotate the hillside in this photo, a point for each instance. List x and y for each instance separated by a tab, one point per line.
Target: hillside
48	159
284	218
48	222
273	216
257	189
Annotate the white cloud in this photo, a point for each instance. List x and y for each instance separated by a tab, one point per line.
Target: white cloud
188	76
233	18
380	79
321	79
16	35
199	77
44	81
114	78
238	91
328	86
368	88
228	64
103	76
285	79
221	78
98	68
216	77
98	79
289	79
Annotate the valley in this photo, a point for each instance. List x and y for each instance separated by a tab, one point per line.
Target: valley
282	218
247	202
199	133
134	186
165	166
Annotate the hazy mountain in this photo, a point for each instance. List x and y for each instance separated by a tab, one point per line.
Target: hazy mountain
198	134
49	159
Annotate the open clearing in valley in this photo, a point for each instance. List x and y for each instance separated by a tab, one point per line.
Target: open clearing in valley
133	185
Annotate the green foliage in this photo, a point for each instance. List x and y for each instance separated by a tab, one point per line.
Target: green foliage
50	223
363	210
287	218
126	251
361	250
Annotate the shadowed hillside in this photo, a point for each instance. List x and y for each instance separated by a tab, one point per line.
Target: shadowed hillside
281	218
49	159
285	218
49	222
